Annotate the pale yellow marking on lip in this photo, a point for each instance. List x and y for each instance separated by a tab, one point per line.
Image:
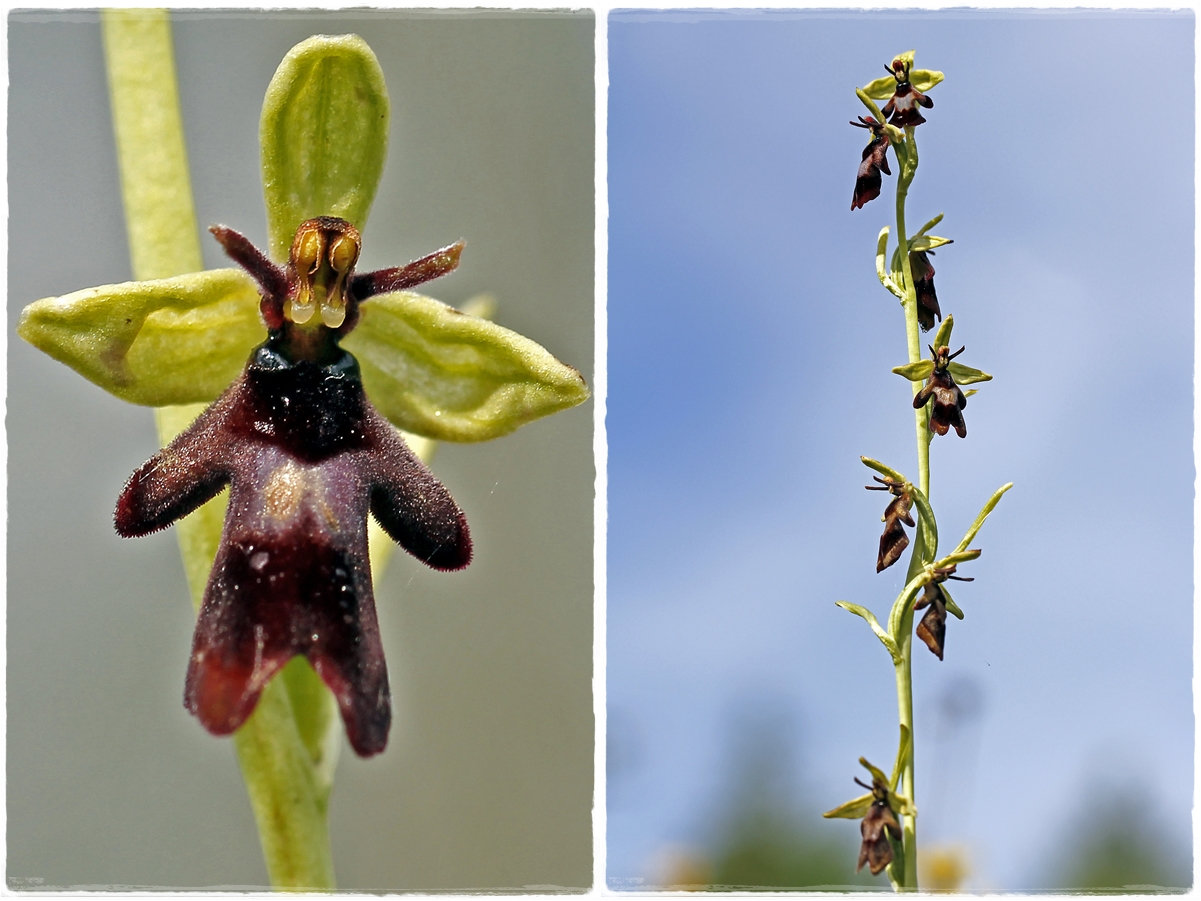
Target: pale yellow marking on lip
290	486
284	492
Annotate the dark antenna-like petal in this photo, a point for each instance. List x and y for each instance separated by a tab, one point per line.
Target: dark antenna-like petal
401	278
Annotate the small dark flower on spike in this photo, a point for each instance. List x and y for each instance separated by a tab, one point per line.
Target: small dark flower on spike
306	457
875	161
903	104
949	400
894	540
880	822
933	627
923	283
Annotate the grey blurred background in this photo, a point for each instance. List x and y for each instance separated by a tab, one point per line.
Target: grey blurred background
487	781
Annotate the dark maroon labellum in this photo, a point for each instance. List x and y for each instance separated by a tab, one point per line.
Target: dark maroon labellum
948	400
306	457
933	627
923	283
875	161
877	826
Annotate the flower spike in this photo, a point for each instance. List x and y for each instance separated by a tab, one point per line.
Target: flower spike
875	161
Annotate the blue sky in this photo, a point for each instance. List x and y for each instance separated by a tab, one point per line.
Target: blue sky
749	353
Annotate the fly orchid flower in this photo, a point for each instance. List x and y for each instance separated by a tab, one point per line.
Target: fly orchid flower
948	399
904	88
875	161
879	809
933	627
902	106
306	455
894	540
943	377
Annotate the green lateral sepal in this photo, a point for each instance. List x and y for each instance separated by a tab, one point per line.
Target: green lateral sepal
966	375
855	809
437	372
158	343
927	242
918	371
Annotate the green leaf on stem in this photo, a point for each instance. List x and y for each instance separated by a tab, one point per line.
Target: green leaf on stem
884	637
983	515
445	374
323	134
929	225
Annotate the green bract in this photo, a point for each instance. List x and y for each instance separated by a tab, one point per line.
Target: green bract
887	639
429	368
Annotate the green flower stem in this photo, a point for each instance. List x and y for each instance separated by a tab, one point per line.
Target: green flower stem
904	673
284	749
156	188
907	156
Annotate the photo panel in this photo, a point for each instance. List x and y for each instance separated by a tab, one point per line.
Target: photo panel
751	354
487	779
